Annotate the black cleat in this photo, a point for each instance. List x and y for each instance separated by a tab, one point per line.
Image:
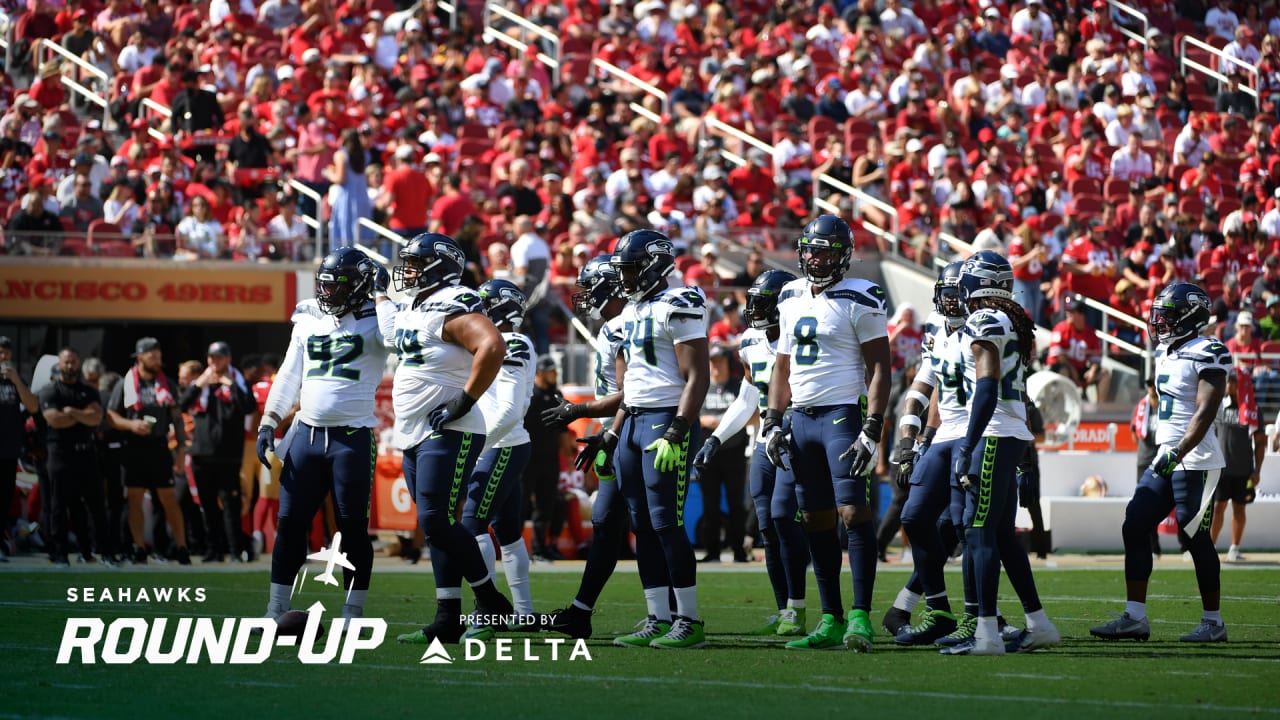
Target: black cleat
183	556
572	621
895	620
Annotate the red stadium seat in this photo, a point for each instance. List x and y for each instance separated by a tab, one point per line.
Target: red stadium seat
101	231
1247	278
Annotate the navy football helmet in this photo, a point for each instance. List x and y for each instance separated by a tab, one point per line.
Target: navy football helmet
503	302
643	259
597	285
343	281
946	295
825	249
1179	312
430	261
762	299
985	274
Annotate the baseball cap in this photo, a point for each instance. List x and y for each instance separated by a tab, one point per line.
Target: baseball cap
6	343
582	249
145	345
545	362
1076	303
720	351
310	55
1275	300
708	249
914	145
219	348
432	158
1244	318
404	152
713	172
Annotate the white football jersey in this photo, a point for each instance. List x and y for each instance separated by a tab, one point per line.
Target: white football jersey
651	330
824	335
431	371
333	367
1177	382
507	400
609	338
757	355
945	372
1010	417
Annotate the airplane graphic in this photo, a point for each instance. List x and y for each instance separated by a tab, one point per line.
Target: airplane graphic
332	556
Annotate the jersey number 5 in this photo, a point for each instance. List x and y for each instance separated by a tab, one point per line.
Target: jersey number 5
331	355
806	334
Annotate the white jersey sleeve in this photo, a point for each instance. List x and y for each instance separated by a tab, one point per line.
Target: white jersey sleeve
1178	374
288	380
432	371
507	400
947	370
609	340
651	330
935	332
757	355
994	327
339	362
824	335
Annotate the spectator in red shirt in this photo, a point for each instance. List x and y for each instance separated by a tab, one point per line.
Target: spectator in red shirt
164	91
910	169
1028	255
1076	351
1245	346
905	336
1084	160
406	193
452	207
753	213
729	328
1089	265
48	91
667	140
752	178
1203	181
1232	255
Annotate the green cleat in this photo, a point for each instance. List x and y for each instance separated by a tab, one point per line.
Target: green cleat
859	633
827	636
650	629
770	627
685	634
482	633
791	622
966	626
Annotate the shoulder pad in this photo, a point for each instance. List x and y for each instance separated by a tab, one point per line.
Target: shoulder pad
986	324
792	289
688	297
305	309
747	342
519	349
871	296
453	301
367	310
1207	350
611	333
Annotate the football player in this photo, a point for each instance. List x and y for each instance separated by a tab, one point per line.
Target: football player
833	367
600	297
450	353
332	369
772	489
664	372
1191	379
987	363
493	495
924	464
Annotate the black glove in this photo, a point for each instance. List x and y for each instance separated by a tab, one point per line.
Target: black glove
708	451
593	446
771	419
777	443
450	411
962	459
266	443
563	414
381	281
904	456
864	447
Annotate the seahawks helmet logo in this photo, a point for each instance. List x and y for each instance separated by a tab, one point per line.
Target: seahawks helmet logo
450	251
660	247
1197	299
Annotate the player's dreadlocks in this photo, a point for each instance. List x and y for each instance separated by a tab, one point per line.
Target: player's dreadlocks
1021	324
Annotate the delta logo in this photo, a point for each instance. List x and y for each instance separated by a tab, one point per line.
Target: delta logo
509	650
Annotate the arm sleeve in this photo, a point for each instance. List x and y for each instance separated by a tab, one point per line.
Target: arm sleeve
985	396
506	390
387	323
739	412
925	374
288	380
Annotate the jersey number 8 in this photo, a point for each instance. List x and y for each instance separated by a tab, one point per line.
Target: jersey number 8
806	334
332	355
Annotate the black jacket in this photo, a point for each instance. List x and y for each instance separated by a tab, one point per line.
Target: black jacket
219	428
196	110
544	441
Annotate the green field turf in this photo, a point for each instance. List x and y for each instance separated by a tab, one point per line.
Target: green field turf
737	676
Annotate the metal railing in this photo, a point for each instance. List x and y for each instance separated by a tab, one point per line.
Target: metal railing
447	7
48	48
552	61
1185	62
862	198
151	107
1135	13
623	75
316	223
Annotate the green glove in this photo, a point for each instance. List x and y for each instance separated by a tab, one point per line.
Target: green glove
669	450
604	468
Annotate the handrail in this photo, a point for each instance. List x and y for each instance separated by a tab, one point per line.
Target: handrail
449	8
627	77
1132	11
57	49
551	61
1123	345
872	228
715	124
965	249
302	189
1184	63
522	22
645	113
862	197
149	105
382	230
48	47
1116	314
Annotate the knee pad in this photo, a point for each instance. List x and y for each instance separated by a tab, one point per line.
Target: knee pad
434	524
854	516
770	535
474	526
820	520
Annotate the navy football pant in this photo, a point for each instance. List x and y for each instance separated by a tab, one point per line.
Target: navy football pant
610	524
927	504
493	495
786	552
819	435
320	460
655	500
1151	503
436	470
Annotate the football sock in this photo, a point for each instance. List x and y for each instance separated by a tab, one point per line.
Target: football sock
453	593
278	599
795	604
515	565
988	629
485	543
1136	610
687	602
862	563
938	602
1037	620
906	600
1213	615
914	584
970	582
602	558
355	599
794	551
824	546
777	573
655	599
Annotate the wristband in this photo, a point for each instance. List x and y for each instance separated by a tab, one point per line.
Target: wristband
918	397
926	435
610	434
677	430
912	421
873	426
267	422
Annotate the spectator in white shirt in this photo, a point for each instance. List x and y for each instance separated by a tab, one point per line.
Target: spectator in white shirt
623	179
1109	108
656	29
825	35
220	10
1242	49
1136	78
664	179
286	229
137	54
1034	21
865	101
1131	162
1270	223
1191	144
714	190
1119	130
1034	92
900	21
793	157
1221	21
